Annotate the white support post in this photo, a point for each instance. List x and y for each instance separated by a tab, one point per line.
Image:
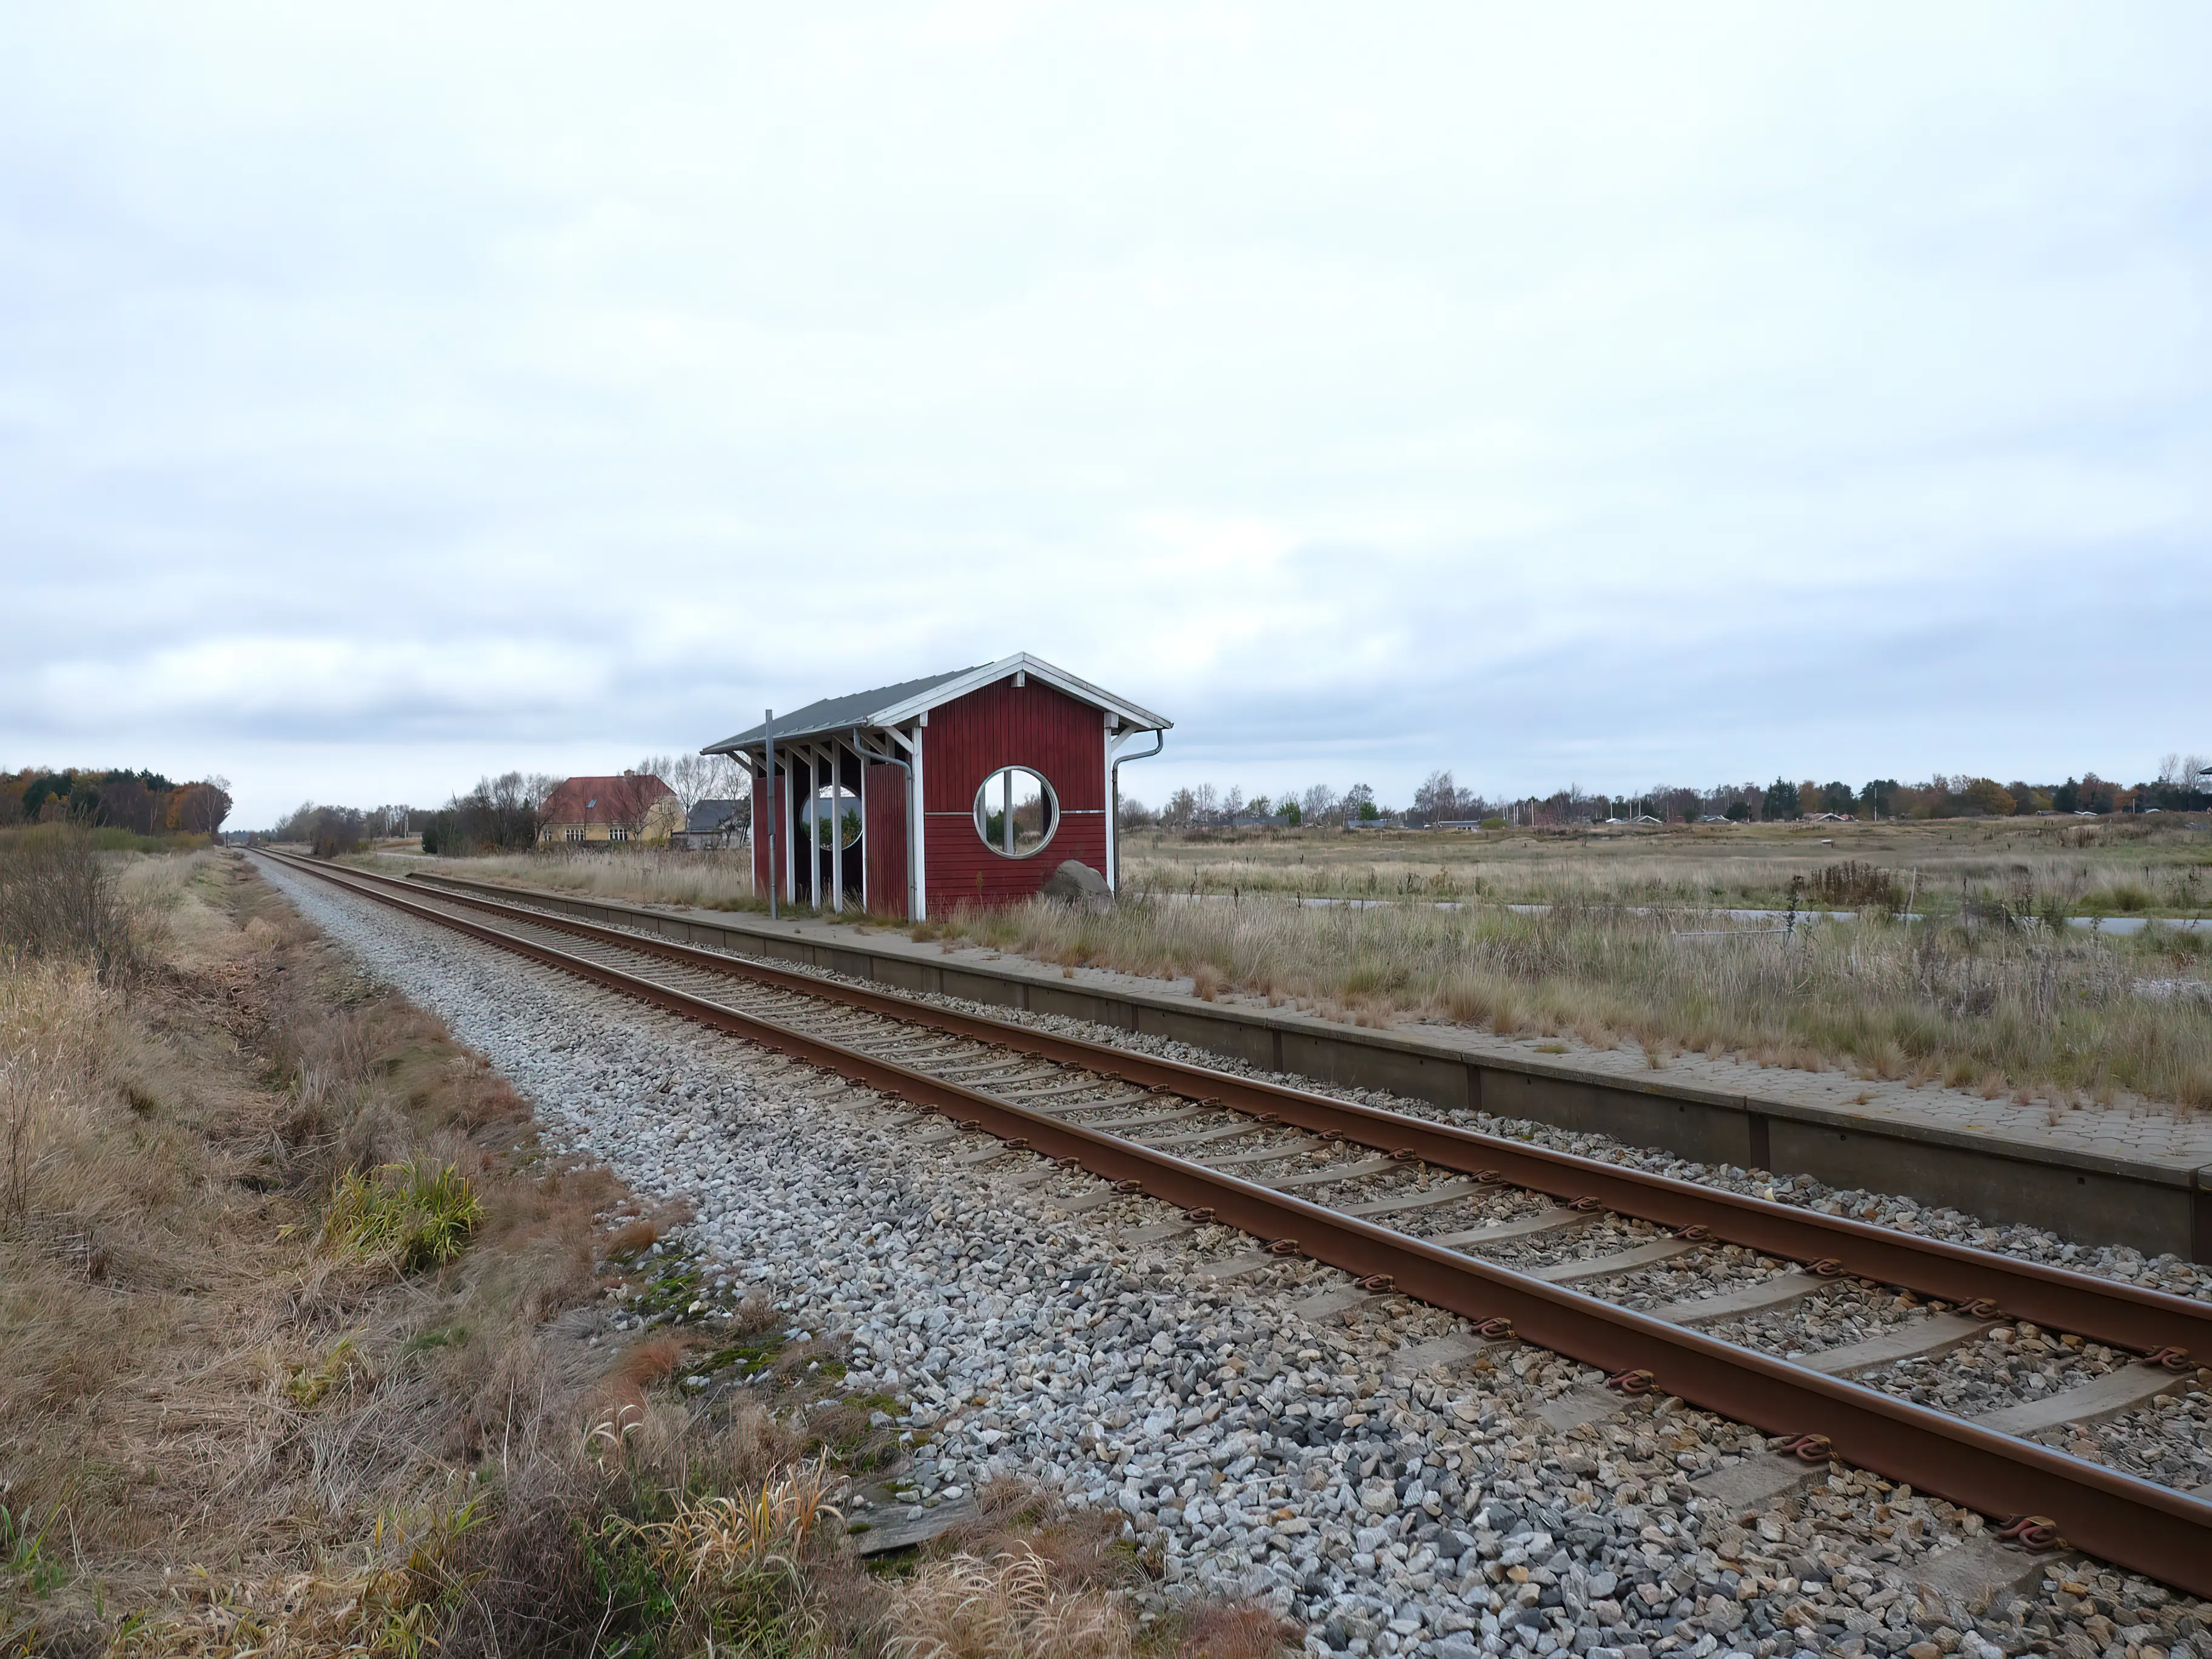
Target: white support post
814	825
836	829
918	831
808	833
863	763
787	794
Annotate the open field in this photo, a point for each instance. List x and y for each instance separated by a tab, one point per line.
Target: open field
293	1354
2108	866
1981	993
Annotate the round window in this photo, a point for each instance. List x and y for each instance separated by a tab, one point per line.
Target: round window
841	807
1016	812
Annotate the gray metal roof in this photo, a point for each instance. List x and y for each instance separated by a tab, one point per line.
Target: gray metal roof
890	705
708	816
835	713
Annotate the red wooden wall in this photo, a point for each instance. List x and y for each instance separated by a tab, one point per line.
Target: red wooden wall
968	739
884	837
760	879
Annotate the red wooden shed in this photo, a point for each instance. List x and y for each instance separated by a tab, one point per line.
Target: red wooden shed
965	788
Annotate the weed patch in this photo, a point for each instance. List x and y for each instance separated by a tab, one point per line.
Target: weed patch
415	1215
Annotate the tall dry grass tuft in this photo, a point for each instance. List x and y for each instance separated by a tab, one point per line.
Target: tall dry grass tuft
58	899
718	1544
1236	1629
1006	1606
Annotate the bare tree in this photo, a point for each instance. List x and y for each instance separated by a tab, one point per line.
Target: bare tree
728	778
666	768
695	778
1436	798
686	774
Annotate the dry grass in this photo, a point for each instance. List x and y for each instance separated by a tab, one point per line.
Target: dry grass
630	875
239	1417
1971	998
2109	867
229	1423
969	1606
1030	1576
58	899
713	1542
1237	1630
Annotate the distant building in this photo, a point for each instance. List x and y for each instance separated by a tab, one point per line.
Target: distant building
628	807
712	824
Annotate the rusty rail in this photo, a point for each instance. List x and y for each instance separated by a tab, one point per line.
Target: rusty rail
2148	1528
2101	1310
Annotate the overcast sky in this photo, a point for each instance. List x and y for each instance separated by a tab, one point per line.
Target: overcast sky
393	394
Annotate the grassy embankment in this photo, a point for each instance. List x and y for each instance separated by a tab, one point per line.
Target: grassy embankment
293	1354
1990	991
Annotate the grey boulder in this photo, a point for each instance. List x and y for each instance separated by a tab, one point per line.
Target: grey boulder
1076	883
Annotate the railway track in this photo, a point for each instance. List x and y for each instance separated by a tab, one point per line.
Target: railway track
1415	1208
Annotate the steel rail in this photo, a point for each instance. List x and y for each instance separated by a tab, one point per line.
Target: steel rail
2145	1528
2101	1310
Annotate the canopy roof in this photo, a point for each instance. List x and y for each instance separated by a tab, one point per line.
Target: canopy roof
893	705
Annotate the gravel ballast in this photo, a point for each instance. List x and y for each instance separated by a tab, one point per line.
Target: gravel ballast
1253	1450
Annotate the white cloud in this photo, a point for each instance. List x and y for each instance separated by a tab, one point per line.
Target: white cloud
389	395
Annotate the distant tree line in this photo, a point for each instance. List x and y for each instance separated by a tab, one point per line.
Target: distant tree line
144	803
2182	784
330	830
500	814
